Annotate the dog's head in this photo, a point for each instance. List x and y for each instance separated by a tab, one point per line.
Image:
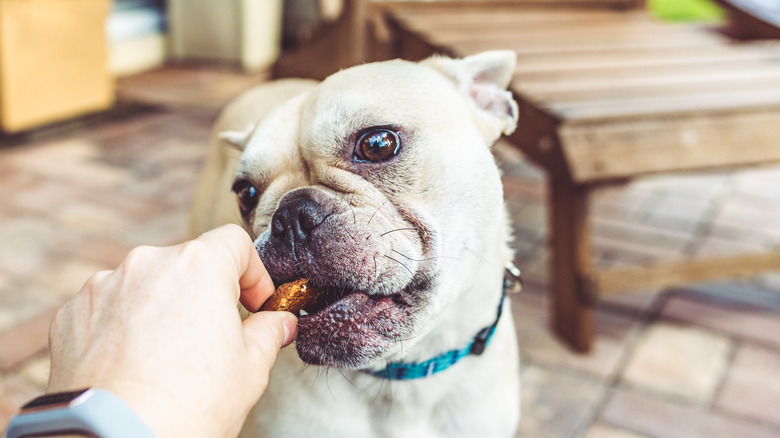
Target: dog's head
379	187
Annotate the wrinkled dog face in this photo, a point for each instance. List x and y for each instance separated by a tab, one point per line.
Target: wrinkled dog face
375	186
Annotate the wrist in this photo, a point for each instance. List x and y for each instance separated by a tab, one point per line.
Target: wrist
171	413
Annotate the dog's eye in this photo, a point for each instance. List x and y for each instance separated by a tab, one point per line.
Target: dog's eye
247	196
377	145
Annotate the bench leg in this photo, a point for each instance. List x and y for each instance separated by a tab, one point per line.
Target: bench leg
572	311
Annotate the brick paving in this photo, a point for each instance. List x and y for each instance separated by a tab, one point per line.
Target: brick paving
698	360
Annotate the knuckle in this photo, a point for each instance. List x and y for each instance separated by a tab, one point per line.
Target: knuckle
139	256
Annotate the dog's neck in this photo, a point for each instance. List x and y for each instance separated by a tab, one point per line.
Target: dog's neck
443	361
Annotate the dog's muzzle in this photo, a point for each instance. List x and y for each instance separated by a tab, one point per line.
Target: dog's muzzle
294	221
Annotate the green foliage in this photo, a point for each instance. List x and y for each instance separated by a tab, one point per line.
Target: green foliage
686	10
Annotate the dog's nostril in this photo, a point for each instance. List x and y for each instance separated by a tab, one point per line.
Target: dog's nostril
297	218
278	227
309	219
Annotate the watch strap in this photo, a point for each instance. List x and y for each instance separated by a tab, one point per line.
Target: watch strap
93	411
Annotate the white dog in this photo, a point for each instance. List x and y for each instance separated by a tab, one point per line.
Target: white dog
378	185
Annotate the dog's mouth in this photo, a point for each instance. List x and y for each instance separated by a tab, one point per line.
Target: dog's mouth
346	327
323	297
326	297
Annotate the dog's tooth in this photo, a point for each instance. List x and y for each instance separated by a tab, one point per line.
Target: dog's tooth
303	312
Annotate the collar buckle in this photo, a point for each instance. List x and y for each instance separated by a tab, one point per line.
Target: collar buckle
481	340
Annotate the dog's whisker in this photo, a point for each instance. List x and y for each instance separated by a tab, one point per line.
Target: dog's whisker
375	212
400	263
349	204
347	378
479	256
398	229
424	260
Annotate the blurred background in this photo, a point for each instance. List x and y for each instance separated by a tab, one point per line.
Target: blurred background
106	109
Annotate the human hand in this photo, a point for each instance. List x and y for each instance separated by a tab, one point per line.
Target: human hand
163	332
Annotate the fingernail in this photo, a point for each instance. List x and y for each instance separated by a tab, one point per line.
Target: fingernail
290	329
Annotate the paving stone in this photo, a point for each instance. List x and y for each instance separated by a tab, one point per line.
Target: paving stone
662	238
166	229
135	207
172	86
771	281
7	410
700	185
17	391
13	179
20	301
601	430
639	304
5	280
719	246
535	267
106	251
531	217
743	219
27	245
25	340
14	392
679	361
67	276
525	245
91	219
556	404
516	166
679	212
36	370
540	347
622	202
615	244
759	184
746	322
734	292
752	387
658	417
69	159
46	196
521	191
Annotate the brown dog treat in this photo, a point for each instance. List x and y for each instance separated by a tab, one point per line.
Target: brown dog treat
292	297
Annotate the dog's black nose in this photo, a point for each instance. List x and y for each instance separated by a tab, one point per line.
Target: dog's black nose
295	219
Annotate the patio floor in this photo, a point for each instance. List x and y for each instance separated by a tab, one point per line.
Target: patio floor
701	360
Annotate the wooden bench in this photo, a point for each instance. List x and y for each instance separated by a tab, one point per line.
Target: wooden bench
608	93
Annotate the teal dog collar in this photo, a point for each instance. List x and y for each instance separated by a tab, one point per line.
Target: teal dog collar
408	371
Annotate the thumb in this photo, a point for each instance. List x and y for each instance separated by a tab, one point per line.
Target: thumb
268	332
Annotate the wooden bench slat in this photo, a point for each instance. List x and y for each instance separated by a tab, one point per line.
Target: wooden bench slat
555	63
443	8
661	67
584	46
567	33
597	152
574	92
515	17
622	280
670	105
563	101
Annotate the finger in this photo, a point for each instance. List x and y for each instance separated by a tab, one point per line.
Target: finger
254	296
254	281
268	332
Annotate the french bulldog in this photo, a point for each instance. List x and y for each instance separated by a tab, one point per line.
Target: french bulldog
379	187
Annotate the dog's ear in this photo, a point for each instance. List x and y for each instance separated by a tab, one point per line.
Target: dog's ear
483	79
235	139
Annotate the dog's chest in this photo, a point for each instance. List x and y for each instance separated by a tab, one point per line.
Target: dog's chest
424	410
